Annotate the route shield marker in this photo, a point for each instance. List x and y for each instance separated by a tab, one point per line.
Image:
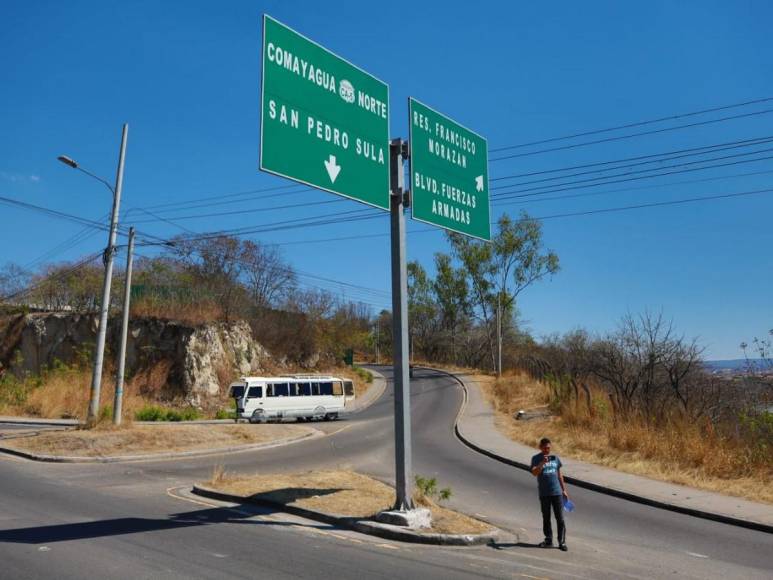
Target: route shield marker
324	121
449	173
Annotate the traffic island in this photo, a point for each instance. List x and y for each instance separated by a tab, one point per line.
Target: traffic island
346	499
144	442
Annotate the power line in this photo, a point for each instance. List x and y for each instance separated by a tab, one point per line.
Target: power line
632	135
630	165
654	156
653	204
573	185
55	277
636	124
633	189
221	196
237	212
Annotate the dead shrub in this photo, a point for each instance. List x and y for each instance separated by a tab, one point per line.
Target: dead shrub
676	449
193	313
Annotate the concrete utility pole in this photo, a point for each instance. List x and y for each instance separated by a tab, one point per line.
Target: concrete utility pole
378	341
499	334
99	353
403	469
118	403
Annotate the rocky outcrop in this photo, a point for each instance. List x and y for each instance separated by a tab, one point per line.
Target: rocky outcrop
195	362
217	349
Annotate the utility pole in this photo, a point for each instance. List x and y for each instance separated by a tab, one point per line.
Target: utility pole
403	470
378	340
99	353
499	334
118	403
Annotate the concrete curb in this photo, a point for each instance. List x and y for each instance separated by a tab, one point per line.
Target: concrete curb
380	530
156	456
596	487
75	422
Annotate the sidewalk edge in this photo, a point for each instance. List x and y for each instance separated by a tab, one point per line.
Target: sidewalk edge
758	526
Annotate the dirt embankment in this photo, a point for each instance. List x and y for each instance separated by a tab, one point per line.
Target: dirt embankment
678	452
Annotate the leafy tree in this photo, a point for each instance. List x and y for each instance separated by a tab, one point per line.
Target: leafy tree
422	312
499	271
451	292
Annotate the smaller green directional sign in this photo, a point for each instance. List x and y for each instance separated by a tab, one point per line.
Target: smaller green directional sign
324	122
449	173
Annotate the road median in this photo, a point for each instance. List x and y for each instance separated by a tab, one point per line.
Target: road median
141	443
344	499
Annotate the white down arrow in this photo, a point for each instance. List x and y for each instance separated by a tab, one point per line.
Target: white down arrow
332	168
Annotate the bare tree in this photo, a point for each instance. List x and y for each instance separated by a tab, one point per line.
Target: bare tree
13	280
267	276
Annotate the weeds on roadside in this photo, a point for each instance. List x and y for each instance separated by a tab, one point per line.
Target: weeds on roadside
364	374
427	491
158	413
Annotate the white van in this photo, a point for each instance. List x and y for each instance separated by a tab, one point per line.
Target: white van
303	397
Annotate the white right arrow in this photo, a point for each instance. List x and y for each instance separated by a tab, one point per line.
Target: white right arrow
479	183
332	169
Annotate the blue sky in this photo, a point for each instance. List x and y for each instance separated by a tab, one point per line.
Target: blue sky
186	77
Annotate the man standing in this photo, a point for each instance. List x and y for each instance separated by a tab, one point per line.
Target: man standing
547	469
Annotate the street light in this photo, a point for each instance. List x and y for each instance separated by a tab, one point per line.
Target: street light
67	161
99	354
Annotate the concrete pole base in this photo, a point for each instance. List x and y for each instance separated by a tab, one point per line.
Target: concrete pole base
414	519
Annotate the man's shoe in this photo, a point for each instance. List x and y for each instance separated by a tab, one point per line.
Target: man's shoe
546	544
563	548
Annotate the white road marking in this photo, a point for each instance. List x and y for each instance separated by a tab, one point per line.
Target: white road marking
44	549
390	547
696	555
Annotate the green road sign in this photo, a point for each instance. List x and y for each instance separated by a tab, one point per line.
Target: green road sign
324	122
449	173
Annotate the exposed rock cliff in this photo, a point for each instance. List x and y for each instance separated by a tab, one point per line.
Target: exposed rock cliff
194	361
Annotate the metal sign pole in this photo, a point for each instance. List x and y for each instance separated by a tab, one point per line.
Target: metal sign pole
403	470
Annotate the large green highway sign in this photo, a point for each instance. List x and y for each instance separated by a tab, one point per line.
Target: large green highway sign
324	121
449	173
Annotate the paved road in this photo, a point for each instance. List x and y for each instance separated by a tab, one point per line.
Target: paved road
120	520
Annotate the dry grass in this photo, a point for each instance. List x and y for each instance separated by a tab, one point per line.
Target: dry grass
65	393
195	313
131	440
681	451
339	492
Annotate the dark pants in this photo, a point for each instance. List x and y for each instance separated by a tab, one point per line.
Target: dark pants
558	509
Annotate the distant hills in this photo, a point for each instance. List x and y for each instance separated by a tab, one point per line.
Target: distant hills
736	364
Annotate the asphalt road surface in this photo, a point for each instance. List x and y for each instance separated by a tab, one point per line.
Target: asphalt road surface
134	520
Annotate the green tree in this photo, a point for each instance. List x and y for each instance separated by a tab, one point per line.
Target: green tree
499	271
422	312
452	296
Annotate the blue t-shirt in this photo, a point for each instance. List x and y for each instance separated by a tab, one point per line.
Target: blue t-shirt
547	481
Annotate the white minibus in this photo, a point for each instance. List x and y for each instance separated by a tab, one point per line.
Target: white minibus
303	397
